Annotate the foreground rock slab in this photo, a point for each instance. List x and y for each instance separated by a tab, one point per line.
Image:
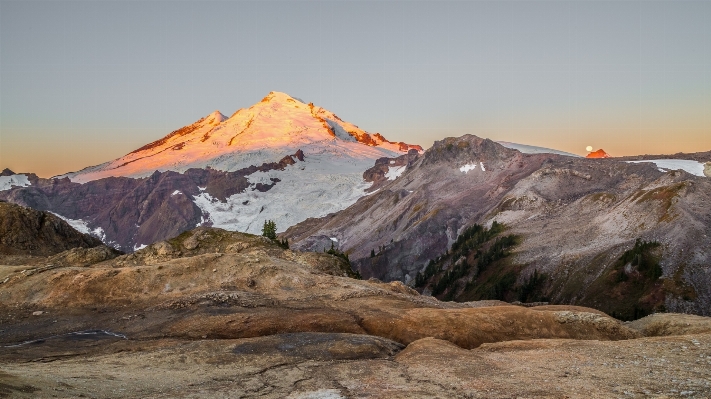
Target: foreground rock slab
214	314
322	365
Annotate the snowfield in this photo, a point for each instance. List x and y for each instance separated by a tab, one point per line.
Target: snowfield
694	167
306	189
532	149
7	182
83	227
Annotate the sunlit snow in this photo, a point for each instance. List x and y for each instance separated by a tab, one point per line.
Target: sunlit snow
482	166
176	192
466	168
394	172
694	167
265	132
7	182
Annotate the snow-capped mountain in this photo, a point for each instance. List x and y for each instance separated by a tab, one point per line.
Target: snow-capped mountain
280	159
265	132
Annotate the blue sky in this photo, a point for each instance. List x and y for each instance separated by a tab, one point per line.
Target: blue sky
85	82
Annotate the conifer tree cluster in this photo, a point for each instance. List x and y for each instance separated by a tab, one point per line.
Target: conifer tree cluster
474	252
269	229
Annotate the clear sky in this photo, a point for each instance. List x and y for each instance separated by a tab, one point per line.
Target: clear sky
85	82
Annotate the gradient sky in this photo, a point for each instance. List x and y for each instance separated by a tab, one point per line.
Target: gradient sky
85	82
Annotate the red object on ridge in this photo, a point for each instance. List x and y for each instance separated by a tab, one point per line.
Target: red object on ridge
598	154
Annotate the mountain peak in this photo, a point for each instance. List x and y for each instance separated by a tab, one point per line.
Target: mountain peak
598	154
277	96
279	124
215	118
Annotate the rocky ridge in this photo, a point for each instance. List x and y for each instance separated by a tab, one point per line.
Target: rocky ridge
25	231
575	216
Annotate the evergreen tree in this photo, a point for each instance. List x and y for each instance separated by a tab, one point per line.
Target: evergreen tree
269	229
372	253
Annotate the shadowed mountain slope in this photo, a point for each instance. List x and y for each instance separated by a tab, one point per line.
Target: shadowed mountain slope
576	217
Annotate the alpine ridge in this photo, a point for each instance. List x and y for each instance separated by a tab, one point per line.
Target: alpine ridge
577	220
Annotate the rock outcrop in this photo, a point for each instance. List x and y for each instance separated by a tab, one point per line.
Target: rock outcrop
25	231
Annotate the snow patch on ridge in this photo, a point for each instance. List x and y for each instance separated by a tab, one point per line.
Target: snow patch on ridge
395	171
339	131
82	226
466	168
176	192
7	182
664	165
77	224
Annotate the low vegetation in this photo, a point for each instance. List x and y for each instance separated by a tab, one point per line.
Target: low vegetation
336	252
631	287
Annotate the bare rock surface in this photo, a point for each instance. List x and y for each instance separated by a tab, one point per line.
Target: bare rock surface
326	365
213	313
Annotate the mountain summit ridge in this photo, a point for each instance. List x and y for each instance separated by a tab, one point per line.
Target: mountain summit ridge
279	124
